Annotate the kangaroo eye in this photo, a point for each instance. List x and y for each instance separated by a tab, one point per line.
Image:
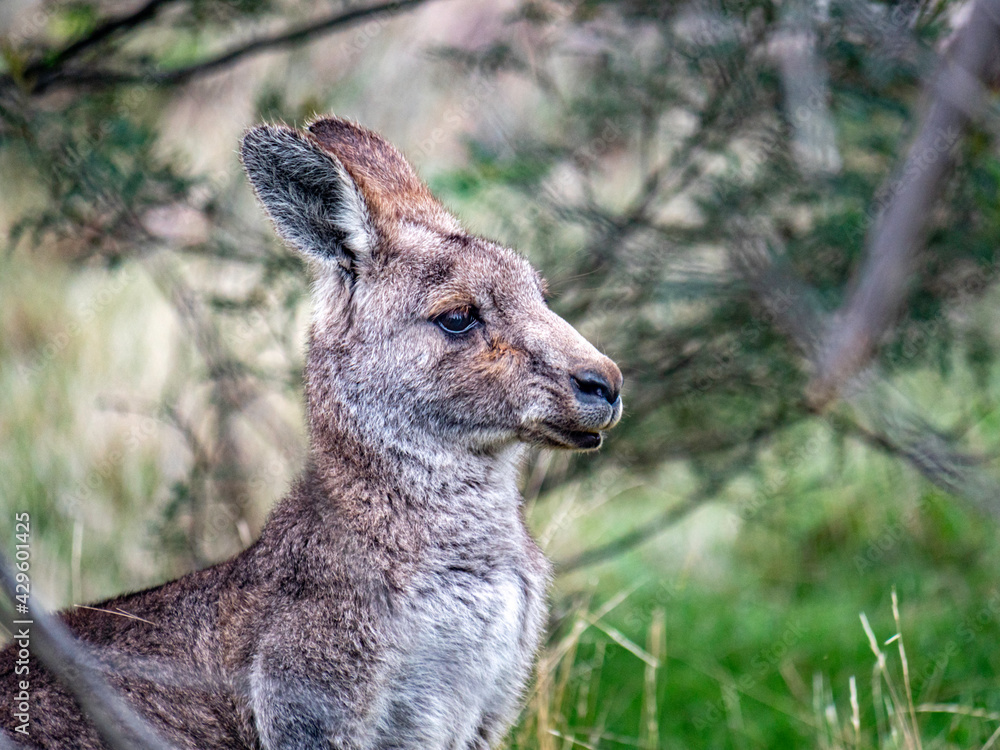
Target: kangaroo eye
458	321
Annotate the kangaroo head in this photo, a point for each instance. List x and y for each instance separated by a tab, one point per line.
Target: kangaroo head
423	334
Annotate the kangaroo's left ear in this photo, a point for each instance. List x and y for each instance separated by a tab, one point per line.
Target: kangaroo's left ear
315	204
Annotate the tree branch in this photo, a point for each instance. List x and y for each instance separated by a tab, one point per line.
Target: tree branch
122	23
668	518
895	427
881	285
105	78
634	538
902	434
69	661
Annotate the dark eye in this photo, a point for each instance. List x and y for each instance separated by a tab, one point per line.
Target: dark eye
458	321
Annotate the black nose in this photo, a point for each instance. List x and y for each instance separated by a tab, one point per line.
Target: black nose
591	384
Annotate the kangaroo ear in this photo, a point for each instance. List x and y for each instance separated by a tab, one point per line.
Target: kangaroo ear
313	201
392	191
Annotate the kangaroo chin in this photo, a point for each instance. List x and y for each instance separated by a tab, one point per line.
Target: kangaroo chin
395	598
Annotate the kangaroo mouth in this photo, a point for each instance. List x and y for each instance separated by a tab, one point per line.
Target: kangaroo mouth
557	436
585	441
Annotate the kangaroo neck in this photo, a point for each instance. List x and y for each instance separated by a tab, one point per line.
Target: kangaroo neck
424	475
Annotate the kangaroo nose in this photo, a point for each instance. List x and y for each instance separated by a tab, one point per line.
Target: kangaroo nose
591	384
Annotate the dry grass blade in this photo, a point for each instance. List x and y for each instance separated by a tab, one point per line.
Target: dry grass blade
992	740
571	740
954	708
565	686
906	669
625	642
855	712
655	646
899	718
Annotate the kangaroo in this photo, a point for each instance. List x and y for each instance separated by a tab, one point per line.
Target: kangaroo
395	598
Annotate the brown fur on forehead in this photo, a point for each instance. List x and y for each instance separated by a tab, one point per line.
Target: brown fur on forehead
461	270
501	273
391	188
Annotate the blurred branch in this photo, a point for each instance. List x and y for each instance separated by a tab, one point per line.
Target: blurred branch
104	78
805	83
904	435
672	176
670	516
67	659
880	286
787	299
896	428
232	391
639	536
144	13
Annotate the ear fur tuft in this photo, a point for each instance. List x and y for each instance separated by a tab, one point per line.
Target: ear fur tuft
314	202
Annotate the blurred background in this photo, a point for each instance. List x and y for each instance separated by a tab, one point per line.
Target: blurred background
780	217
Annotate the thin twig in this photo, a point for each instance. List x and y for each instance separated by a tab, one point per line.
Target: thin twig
69	662
141	15
636	537
105	78
911	439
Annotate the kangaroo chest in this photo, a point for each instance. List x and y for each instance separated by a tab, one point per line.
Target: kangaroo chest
465	639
